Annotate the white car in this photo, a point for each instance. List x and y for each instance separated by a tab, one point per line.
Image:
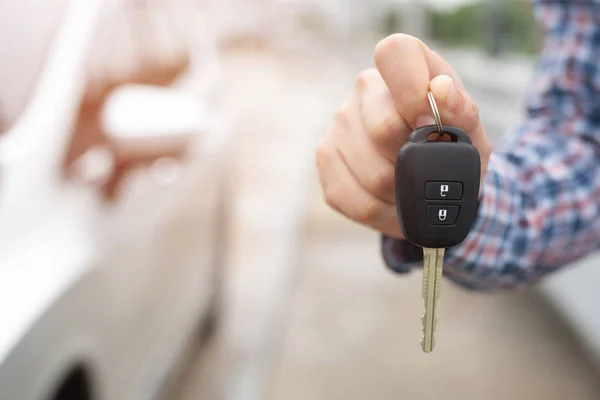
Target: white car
102	289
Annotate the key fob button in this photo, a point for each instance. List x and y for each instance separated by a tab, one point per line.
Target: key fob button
430	214
442	215
443	190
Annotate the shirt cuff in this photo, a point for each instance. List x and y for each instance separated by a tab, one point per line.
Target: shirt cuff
400	256
495	210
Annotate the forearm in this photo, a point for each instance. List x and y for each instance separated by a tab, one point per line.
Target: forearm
539	210
532	219
540	204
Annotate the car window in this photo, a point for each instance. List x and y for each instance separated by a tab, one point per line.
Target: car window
25	39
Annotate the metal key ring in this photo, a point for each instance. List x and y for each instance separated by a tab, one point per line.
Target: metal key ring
436	113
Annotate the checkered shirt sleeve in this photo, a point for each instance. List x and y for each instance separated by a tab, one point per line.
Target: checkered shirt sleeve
540	204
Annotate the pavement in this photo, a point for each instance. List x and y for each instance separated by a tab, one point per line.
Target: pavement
310	312
353	332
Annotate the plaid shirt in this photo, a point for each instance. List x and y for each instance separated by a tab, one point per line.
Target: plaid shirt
540	204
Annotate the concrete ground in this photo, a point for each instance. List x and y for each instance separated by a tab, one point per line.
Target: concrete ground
345	328
353	332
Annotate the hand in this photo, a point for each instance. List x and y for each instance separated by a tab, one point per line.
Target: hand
356	158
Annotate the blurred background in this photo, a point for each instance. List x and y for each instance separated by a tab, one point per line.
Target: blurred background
162	230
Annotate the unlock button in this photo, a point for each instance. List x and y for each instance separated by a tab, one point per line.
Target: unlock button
443	190
442	215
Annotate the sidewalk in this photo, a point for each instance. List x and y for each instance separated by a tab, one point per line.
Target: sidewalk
281	105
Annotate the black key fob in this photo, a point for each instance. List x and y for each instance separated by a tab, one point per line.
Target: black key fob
437	187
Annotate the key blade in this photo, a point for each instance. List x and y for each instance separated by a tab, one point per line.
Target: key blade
432	277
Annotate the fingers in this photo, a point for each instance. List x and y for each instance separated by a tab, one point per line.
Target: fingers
438	66
407	66
344	193
403	66
356	159
384	126
374	173
409	69
455	106
458	109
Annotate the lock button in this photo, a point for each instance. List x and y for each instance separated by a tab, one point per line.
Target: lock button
443	190
442	215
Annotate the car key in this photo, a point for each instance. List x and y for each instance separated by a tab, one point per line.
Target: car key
436	191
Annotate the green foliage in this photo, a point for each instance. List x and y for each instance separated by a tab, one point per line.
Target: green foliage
481	26
459	27
523	27
391	21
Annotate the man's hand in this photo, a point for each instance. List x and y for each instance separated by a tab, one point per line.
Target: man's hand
356	158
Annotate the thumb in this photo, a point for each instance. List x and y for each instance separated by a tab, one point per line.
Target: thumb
458	109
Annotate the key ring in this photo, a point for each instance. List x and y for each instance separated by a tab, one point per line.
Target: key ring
436	113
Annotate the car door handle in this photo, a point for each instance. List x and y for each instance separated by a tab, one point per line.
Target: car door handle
152	121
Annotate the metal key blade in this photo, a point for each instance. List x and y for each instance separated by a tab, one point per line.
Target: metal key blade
432	280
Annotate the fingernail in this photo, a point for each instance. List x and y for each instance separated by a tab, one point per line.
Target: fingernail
444	84
452	98
425	120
